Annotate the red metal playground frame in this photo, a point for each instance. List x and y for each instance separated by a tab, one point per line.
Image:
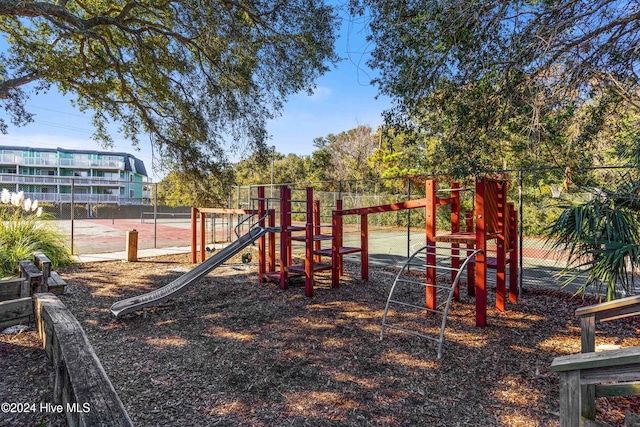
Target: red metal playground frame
492	220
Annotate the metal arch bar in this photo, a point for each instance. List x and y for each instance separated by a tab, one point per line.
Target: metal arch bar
453	287
444	312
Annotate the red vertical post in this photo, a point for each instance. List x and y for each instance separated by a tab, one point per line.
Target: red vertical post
308	244
317	229
203	244
501	256
340	243
194	233
455	228
289	226
272	241
481	264
471	287
364	246
430	226
285	217
336	243
262	240
515	254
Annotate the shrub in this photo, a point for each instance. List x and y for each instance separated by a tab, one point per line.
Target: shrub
23	231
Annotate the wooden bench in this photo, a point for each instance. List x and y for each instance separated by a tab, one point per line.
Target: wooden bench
612	373
589	370
44	264
56	284
33	276
16	305
604	312
80	381
51	281
589	316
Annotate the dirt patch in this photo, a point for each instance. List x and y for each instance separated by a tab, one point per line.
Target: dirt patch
26	382
231	351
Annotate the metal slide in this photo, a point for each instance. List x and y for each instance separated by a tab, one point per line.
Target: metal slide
179	285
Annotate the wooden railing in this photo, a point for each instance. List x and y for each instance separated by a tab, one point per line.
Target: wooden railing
590	374
81	386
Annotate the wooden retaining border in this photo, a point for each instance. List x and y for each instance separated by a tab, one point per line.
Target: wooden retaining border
16	306
81	385
15	312
13	289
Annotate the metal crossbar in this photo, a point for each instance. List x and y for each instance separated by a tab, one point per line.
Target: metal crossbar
441	289
440	190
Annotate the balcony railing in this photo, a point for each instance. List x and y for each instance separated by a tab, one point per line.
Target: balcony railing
11	159
63	180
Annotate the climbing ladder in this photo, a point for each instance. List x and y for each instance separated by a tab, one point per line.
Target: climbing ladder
308	230
445	261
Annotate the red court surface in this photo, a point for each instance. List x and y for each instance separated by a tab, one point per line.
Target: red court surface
107	235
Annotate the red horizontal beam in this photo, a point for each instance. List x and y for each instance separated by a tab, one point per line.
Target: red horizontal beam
228	211
410	204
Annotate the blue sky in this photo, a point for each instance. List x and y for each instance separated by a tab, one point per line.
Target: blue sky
343	100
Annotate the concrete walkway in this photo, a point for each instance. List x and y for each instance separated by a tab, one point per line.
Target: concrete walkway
122	256
142	253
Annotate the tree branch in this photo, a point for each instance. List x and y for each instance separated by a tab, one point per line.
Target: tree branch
7	85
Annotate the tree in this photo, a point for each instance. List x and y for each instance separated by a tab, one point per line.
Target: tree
348	153
400	154
497	82
256	170
192	74
320	161
181	189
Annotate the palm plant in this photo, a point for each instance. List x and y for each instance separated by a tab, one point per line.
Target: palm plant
602	240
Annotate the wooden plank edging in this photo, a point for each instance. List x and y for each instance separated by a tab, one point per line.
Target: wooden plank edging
81	385
15	312
13	289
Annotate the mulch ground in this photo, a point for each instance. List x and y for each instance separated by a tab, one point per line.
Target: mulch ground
231	352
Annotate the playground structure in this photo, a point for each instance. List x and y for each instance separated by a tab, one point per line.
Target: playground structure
490	229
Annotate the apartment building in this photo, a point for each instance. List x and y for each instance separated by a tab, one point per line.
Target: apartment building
58	175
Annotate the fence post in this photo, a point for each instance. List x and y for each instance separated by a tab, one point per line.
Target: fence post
132	245
408	219
155	216
520	231
72	211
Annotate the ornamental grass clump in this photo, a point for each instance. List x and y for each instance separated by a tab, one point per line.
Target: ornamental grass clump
23	231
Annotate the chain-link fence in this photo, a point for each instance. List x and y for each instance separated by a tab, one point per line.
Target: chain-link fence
539	196
93	218
97	223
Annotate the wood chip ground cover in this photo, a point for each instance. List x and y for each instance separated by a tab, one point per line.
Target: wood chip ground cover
230	351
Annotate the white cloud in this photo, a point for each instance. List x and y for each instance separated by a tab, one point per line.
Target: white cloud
320	93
